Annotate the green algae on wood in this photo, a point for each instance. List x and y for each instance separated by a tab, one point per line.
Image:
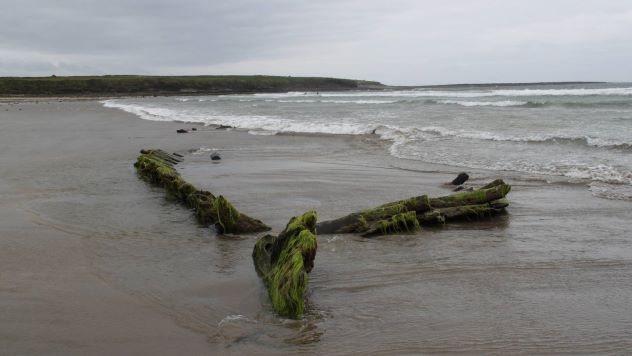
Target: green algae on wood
398	223
362	221
284	261
156	166
397	217
479	196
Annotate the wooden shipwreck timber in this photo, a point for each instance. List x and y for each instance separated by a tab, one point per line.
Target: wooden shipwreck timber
284	261
156	166
410	214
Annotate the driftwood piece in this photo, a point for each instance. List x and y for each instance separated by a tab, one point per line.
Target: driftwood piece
284	261
409	214
156	166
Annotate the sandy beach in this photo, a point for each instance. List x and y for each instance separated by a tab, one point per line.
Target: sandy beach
95	261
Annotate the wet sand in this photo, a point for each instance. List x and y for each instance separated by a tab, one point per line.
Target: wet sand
94	261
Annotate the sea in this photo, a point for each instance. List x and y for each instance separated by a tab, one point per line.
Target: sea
580	133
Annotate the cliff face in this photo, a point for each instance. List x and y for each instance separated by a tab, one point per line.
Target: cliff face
169	85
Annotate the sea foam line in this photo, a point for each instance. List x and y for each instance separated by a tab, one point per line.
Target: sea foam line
272	124
625	91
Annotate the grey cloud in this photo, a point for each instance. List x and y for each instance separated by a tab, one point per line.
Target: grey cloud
397	41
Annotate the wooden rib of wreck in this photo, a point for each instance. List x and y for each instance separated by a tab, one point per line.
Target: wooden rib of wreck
157	167
410	214
284	261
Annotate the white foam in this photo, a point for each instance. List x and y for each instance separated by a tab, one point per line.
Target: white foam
250	122
147	112
574	170
610	191
233	318
260	123
627	91
406	139
359	101
262	133
484	103
367	101
293	101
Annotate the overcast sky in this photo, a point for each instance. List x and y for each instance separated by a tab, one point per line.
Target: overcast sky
392	41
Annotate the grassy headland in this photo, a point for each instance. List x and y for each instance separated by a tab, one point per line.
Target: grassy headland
115	85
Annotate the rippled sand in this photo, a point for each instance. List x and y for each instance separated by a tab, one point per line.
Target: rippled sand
93	260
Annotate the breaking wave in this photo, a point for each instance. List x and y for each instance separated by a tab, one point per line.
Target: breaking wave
251	122
486	93
407	140
533	103
489	136
482	103
274	124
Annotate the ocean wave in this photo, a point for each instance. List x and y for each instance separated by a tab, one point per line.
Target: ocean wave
292	101
250	122
609	191
198	99
388	132
530	92
365	101
490	136
531	103
402	138
146	112
482	103
626	91
574	171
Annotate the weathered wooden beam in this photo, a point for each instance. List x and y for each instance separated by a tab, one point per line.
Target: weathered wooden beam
284	261
156	166
406	215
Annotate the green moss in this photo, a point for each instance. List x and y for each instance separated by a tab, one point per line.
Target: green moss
465	212
226	215
156	167
403	222
363	225
480	196
284	262
387	212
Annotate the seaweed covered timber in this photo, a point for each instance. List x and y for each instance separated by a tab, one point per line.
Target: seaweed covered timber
284	261
410	214
156	166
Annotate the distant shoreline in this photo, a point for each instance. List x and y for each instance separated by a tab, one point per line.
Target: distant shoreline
124	86
135	85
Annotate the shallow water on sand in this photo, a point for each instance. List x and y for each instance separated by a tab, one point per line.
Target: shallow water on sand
552	276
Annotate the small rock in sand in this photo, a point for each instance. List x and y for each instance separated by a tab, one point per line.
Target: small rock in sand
182	131
460	179
215	156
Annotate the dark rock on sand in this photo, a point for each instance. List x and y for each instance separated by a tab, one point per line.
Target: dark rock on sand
182	131
193	129
460	179
215	156
223	127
